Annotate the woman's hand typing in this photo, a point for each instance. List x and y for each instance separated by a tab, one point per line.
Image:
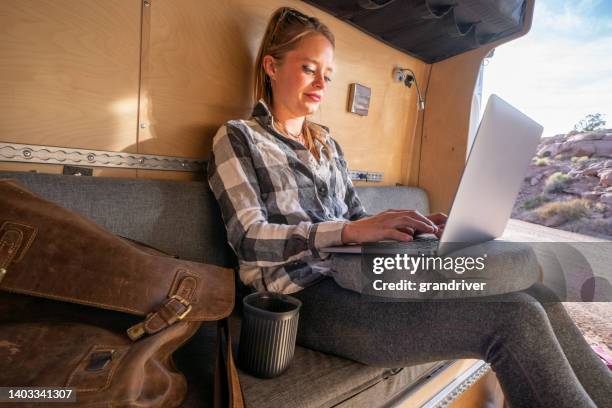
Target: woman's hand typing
440	220
399	225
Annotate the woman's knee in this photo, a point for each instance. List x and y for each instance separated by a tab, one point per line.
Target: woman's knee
520	325
523	317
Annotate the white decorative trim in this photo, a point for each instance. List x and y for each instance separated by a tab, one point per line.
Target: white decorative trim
16	152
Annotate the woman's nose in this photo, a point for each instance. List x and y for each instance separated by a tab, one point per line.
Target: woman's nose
320	82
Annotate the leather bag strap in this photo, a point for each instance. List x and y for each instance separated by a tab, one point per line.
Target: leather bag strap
173	310
227	391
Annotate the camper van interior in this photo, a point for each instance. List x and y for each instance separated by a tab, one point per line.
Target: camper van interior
109	109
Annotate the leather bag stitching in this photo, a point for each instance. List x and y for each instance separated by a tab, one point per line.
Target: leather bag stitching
9	248
24	247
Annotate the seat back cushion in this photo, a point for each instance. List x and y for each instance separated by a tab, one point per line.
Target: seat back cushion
178	217
378	199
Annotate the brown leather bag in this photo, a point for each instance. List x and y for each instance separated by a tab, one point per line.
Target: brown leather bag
70	289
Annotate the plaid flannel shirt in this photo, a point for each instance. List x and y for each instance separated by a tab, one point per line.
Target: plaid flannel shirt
279	204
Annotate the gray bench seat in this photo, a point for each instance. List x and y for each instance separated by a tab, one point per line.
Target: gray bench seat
182	218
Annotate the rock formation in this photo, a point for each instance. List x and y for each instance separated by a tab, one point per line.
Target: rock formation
569	184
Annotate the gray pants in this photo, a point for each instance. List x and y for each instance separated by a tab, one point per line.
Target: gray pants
539	356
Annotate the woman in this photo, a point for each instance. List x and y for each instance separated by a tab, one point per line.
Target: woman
283	188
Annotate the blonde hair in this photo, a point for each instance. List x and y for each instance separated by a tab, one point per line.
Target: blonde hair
286	28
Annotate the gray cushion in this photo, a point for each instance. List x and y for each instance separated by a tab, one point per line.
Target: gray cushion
380	198
177	217
313	380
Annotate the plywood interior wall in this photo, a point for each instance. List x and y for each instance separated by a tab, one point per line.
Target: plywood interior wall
198	71
76	74
445	128
69	76
69	72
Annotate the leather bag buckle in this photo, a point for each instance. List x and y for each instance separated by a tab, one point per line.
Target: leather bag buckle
184	303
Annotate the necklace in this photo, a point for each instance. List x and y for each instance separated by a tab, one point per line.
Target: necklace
299	137
294	136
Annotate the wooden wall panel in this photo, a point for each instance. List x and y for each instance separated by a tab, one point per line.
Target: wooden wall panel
69	73
412	155
197	74
446	126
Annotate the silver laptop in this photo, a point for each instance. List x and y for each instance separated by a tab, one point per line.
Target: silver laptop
502	150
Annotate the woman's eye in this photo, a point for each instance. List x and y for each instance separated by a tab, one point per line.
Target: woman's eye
312	71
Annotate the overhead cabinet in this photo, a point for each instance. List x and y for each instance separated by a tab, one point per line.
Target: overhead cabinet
431	30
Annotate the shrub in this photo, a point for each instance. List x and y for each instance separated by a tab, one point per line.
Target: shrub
557	182
579	159
600	207
541	161
535	202
560	212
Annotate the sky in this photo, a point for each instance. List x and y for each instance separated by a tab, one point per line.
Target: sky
562	69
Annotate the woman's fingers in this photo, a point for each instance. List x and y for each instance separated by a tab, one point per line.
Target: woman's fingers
407	230
438	218
413	214
400	225
420	217
416	224
398	235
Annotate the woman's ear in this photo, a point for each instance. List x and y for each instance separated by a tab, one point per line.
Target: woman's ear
269	65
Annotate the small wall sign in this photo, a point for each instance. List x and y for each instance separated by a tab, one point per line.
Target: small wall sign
359	99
